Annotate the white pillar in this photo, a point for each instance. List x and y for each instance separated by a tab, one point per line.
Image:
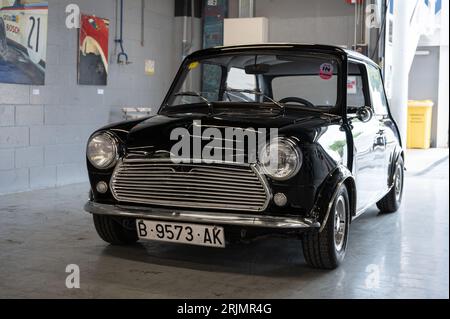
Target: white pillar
443	103
400	65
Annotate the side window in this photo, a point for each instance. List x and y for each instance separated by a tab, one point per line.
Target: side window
377	94
356	96
238	79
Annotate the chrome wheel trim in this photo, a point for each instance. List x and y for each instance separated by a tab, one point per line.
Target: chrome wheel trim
398	183
340	223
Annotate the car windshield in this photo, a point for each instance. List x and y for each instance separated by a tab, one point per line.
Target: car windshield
304	80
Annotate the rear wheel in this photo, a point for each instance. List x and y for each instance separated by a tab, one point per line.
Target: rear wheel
116	231
392	201
326	249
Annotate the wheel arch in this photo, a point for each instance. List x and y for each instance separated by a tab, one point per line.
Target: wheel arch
327	193
397	154
352	194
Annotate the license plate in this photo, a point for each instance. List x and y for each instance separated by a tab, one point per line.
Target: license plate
192	234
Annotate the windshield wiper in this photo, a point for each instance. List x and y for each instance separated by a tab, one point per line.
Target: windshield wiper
256	92
199	95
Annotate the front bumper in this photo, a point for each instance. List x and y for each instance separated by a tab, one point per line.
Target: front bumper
244	220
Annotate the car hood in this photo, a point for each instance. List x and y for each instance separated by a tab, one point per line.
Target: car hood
155	132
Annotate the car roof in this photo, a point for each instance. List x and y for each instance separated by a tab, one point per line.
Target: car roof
361	57
314	47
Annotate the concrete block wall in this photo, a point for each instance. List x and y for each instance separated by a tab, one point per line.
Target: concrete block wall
43	137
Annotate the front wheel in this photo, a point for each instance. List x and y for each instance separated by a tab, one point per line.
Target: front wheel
326	249
115	230
392	201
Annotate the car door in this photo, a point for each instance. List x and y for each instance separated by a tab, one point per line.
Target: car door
368	144
387	130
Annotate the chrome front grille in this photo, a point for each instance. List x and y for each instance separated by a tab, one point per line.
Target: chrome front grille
213	186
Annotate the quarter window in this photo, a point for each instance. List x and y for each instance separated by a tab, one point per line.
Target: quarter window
356	87
377	92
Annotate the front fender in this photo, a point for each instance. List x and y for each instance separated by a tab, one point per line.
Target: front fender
328	192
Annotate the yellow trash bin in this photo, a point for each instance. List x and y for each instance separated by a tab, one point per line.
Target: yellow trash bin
419	124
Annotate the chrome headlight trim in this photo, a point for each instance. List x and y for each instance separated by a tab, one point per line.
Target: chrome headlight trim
292	146
113	143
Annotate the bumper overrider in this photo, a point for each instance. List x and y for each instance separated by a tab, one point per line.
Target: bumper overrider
202	217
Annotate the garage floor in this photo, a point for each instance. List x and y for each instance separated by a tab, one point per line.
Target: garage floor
403	255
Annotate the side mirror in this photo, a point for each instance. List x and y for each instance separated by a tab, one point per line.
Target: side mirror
364	114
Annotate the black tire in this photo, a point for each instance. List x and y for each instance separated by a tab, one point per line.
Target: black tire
113	231
392	201
320	248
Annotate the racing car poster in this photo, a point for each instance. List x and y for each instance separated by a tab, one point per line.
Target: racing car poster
23	41
93	50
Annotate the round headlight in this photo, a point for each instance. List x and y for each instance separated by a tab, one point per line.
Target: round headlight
102	151
281	159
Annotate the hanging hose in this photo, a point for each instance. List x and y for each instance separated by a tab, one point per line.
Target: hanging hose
382	30
122	57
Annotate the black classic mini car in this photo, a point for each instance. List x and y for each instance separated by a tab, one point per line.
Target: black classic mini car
250	140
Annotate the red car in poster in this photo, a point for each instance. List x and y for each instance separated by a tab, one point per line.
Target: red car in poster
94	41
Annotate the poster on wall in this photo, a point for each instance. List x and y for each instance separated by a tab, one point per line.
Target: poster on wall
23	41
93	50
